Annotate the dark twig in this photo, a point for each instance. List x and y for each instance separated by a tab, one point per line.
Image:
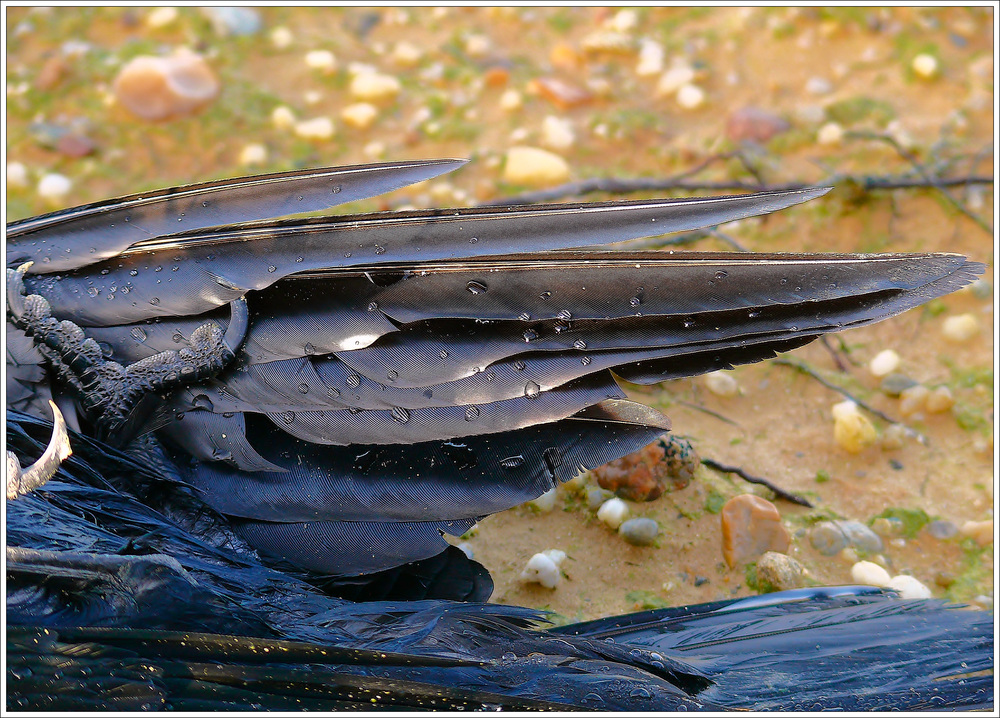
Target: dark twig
800	367
750	478
825	342
715	414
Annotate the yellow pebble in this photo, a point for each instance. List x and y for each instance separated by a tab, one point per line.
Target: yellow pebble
960	328
940	400
853	432
913	400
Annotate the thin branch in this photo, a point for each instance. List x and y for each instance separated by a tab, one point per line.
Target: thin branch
800	367
750	478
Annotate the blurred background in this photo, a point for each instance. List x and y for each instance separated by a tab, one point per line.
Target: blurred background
892	106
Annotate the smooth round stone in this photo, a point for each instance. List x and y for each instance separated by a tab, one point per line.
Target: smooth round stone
639	531
860	536
870	574
780	571
909	587
827	538
895	384
942	529
596	497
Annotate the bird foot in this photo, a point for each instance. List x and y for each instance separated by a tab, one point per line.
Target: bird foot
22	481
109	392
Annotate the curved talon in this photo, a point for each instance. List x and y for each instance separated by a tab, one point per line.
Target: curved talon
16	291
239	322
21	482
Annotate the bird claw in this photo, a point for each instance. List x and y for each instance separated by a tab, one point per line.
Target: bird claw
21	482
109	391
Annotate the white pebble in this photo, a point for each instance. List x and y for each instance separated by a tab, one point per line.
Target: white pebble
322	60
318	128
690	97
534	166
541	569
721	383
374	86
360	115
557	133
374	150
406	54
870	574
650	58
510	100
477	45
818	86
674	79
555	555
843	409
282	38
546	502
624	21
960	328
253	154
17	174
613	512
830	134
312	97
884	363
925	66
54	187
161	17
909	587
282	117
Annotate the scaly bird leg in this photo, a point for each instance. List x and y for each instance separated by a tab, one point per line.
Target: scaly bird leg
109	391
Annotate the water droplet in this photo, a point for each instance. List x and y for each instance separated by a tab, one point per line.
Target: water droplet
139	334
754	314
201	401
133	272
688	322
561	327
106	349
512	462
347	255
531	390
524	317
373	307
585	361
635	301
303	388
228	414
353	381
298	260
393	375
288	417
158	269
721	274
336	189
473	240
400	414
443	354
309	348
272	268
154	301
126	289
565	315
580	344
530	335
476	287
105	271
332	393
545	295
784	281
93	291
174	268
471	413
519	365
379	249
640	692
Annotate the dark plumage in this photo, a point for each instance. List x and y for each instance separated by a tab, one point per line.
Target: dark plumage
376	381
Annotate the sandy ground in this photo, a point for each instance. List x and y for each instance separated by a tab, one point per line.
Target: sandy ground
853	67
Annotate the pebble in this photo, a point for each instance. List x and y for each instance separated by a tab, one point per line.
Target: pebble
54	187
282	117
238	21
981	289
895	384
852	430
613	512
690	97
542	568
960	328
884	363
833	537
674	79
477	46
161	17
894	437
624	21
544	503
645	474
818	86
940	400
941	529
754	124
557	133
596	497
830	133
360	115
651	56
860	536
318	128
909	587
322	60
560	93
160	88
751	526
639	531
721	383
780	571
925	66
870	574
608	41
980	531
17	174
511	100
253	154
888	526
913	400
282	38
406	54
374	150
374	86
534	166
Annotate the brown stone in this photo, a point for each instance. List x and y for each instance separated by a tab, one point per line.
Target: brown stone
645	474
754	124
751	526
560	93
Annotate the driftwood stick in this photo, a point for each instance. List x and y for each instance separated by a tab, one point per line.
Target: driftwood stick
750	478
